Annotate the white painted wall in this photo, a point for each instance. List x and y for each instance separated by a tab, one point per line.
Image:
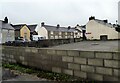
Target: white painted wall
37	27
4	35
96	29
7	35
11	36
42	32
80	34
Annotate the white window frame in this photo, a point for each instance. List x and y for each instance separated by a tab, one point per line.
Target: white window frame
66	33
60	33
51	37
71	36
60	37
66	36
56	37
51	32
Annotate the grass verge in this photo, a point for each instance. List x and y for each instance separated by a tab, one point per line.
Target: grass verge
40	73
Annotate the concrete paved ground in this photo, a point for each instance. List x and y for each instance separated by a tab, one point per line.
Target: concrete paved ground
90	46
14	75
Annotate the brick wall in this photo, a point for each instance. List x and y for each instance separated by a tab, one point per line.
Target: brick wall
94	65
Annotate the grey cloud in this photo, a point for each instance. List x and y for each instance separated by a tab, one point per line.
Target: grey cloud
64	12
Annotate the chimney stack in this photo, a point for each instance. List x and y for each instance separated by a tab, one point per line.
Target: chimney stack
42	24
92	18
77	25
6	20
69	27
58	26
106	21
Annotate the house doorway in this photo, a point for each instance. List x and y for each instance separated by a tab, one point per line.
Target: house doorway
103	37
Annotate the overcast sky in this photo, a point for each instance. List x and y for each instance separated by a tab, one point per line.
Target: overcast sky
53	12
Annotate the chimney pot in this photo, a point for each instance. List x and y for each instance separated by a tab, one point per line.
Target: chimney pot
92	18
42	24
69	27
6	20
58	25
106	21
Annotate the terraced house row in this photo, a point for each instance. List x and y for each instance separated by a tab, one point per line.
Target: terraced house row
58	32
94	29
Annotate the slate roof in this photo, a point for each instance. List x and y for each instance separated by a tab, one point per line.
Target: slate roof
32	27
5	25
18	27
81	28
108	24
104	23
62	29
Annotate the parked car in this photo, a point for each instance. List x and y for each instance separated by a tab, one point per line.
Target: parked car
19	41
9	42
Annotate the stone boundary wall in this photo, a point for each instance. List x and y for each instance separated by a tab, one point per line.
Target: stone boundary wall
94	65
